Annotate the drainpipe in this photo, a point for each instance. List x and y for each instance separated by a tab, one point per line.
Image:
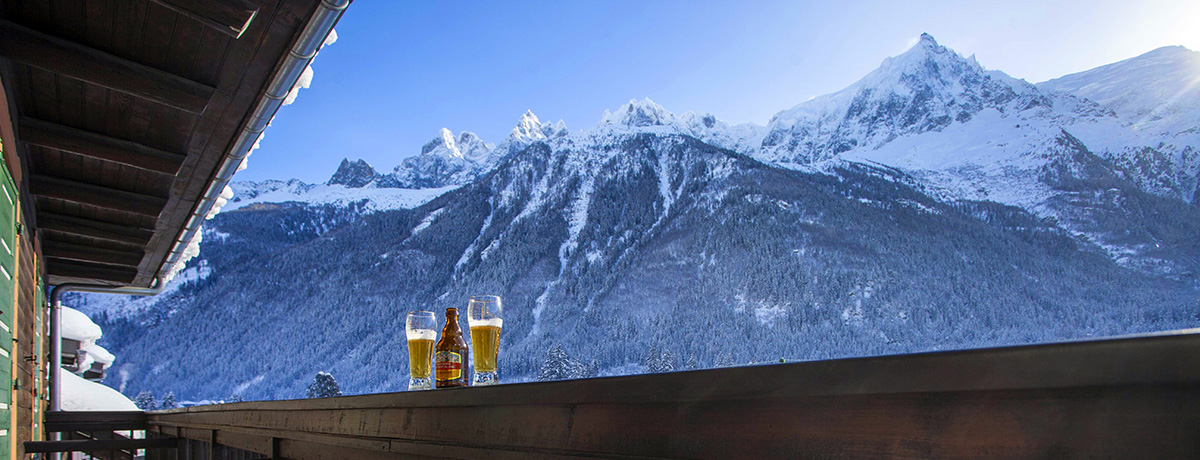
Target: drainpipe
298	58
56	325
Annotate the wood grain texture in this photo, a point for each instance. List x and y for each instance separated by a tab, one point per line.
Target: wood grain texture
95	444
230	17
1120	398
71	251
99	146
80	62
25	349
90	272
96	195
58	223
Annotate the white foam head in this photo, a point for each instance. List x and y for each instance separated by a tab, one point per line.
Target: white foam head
422	334
494	322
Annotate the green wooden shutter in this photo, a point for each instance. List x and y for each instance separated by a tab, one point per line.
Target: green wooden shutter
8	274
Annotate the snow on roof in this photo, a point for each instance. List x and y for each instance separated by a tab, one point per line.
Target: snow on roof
99	354
193	247
85	363
81	395
77	326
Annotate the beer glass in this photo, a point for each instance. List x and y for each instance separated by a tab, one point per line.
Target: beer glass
484	317
421	329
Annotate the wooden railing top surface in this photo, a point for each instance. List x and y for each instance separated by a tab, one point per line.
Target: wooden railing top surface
1131	397
1161	358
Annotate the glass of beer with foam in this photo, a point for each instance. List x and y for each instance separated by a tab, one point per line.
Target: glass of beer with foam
421	329
485	316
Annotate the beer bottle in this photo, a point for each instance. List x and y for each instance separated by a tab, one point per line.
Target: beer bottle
450	356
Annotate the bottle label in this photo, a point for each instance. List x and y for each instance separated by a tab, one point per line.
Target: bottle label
447	365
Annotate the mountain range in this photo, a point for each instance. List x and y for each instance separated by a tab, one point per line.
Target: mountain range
934	204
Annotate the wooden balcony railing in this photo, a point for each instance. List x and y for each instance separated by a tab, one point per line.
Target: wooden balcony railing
1134	398
100	435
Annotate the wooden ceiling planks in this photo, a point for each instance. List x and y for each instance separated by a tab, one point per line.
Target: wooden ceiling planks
63	57
99	146
130	115
230	17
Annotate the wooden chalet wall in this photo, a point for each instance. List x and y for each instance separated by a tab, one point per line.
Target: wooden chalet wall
29	354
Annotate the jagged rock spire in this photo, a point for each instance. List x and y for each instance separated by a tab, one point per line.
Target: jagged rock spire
353	174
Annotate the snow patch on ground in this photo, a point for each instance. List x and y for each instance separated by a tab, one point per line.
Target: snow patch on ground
83	395
427	221
577	219
466	255
377	199
764	311
241	388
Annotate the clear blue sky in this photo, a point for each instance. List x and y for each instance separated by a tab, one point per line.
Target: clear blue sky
401	70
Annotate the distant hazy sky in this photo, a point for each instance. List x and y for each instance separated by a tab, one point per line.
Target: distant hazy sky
401	70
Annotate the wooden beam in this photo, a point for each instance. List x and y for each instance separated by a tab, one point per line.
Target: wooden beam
90	271
98	444
101	435
96	195
57	427
98	146
93	229
231	17
97	416
67	58
85	253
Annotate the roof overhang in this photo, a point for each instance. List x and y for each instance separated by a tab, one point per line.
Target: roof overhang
129	114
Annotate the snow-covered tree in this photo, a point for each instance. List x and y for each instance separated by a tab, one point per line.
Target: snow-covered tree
589	370
168	402
323	386
657	361
557	365
724	360
145	401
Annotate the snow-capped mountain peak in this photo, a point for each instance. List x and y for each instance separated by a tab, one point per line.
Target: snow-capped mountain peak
472	147
466	146
443	144
926	49
923	89
529	129
637	113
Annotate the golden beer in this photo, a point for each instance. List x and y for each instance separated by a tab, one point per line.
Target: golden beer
420	357
420	327
484	315
485	340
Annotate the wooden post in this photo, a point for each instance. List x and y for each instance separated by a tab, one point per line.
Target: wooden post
214	453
